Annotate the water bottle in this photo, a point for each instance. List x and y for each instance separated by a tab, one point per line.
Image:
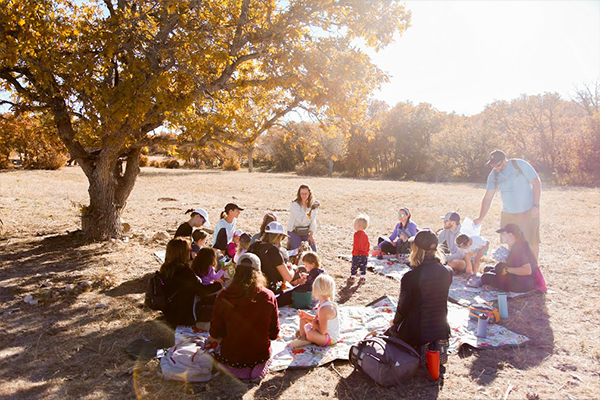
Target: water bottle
433	363
502	305
482	324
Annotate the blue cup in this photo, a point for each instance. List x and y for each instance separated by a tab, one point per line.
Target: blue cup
502	305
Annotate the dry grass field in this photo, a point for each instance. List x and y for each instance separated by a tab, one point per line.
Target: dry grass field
71	344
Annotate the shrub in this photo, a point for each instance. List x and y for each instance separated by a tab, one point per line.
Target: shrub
143	160
171	164
312	169
154	164
231	164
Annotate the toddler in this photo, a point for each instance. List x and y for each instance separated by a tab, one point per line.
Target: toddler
233	245
312	265
360	248
474	248
198	241
324	328
242	246
204	266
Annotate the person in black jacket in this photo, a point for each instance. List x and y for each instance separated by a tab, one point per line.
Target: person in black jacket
421	316
183	288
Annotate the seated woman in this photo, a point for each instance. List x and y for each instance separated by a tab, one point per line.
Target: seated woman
225	227
198	217
303	219
421	316
267	219
519	271
182	286
245	320
268	249
397	242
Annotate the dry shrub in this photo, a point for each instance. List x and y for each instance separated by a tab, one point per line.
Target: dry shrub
170	164
154	164
312	169
193	165
143	161
231	164
48	158
5	163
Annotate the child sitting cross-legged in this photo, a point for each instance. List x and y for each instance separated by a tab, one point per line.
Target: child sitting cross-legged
322	329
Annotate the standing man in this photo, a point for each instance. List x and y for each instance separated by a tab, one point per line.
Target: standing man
520	189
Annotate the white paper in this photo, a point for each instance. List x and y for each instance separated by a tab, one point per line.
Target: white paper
469	228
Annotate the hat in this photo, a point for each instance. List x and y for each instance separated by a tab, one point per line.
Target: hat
496	157
425	240
244	237
275	227
232	206
249	260
203	214
452	216
511	228
238	232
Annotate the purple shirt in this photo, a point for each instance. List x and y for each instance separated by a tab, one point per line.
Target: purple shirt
410	231
211	276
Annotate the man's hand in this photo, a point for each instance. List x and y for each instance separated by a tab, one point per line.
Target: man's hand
477	221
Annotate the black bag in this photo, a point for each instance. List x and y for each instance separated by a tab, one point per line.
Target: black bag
385	359
156	297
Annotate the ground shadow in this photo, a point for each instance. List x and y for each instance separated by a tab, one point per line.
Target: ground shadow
275	386
136	285
528	315
345	293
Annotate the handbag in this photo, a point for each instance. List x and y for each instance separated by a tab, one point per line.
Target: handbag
302	230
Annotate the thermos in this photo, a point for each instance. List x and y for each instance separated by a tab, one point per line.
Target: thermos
482	323
433	363
502	305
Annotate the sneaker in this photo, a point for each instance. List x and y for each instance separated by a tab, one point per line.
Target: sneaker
363	279
352	278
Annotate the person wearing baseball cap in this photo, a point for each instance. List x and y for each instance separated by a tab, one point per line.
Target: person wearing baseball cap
225	227
244	321
233	245
447	240
270	252
520	189
198	218
424	292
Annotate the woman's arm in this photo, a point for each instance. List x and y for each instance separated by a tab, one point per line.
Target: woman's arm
285	273
295	209
394	234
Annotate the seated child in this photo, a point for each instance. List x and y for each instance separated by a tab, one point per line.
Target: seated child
233	245
198	241
242	247
324	328
360	248
204	266
312	265
473	248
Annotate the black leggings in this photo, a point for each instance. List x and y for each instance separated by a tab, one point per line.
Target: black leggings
221	242
508	282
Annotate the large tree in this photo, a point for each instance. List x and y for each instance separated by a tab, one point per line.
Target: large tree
110	72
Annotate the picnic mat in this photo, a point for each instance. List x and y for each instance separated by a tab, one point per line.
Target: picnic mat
459	292
160	255
355	324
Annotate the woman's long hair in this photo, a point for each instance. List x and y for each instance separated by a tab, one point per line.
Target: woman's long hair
273	238
248	279
267	219
177	254
309	201
205	258
417	255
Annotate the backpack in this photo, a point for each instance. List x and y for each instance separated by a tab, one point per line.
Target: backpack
476	310
187	362
517	168
156	298
385	359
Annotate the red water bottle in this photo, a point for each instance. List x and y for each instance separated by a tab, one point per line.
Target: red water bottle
433	363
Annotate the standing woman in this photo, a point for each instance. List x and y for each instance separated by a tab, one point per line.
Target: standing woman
303	219
182	285
422	312
226	227
198	218
245	320
397	242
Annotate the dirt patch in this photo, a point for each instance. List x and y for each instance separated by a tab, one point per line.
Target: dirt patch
71	344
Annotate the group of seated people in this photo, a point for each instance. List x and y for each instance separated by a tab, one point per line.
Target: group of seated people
242	307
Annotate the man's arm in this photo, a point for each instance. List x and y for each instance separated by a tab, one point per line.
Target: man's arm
486	202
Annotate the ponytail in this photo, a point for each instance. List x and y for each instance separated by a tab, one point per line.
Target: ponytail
223	214
189	211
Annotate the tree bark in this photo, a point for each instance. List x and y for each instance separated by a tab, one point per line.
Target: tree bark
250	160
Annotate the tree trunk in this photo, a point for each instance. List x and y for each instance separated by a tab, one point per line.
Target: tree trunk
250	160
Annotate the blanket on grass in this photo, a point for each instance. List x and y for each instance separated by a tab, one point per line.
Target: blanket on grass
356	323
459	293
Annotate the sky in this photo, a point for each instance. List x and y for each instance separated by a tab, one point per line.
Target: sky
460	56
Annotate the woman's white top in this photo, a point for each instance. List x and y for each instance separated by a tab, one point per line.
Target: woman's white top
333	325
299	217
229	228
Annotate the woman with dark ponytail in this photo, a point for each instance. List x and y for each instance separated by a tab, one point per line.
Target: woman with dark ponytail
226	227
198	218
518	273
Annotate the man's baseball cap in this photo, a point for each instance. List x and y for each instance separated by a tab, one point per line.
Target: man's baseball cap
496	157
452	216
425	240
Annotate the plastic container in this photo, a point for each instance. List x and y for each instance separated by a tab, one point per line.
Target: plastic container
482	324
433	363
502	305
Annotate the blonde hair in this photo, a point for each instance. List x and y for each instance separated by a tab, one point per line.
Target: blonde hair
362	220
311	257
324	285
273	238
417	255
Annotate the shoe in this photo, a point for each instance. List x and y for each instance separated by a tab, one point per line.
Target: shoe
363	279
352	278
